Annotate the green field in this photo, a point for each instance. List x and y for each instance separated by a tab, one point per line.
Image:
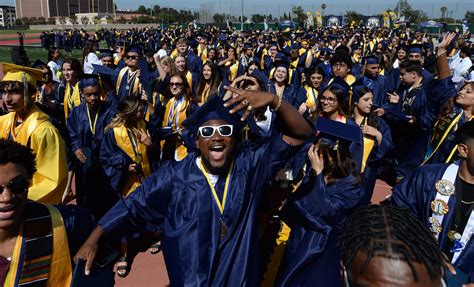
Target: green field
33	54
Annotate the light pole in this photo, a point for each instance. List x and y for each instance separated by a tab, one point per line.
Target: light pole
242	17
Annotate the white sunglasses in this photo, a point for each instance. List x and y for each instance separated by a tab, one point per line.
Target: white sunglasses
223	130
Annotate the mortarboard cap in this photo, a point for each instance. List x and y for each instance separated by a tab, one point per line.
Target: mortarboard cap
38	64
135	48
106	53
357	87
371	59
213	109
414	49
339	83
16	73
334	132
88	80
248	46
281	60
106	71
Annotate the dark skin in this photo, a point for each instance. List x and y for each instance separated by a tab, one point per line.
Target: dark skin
11	208
91	96
383	271
295	128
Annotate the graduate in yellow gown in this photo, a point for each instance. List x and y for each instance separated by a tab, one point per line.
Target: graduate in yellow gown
28	125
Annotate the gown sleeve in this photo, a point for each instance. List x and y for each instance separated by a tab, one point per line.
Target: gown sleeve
50	178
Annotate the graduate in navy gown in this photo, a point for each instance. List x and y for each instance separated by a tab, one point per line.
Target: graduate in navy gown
209	200
314	212
377	83
442	197
86	125
377	139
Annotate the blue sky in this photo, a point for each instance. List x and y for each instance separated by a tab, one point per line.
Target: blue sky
275	7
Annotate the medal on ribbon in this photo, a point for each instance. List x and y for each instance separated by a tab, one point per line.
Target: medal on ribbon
440	207
445	187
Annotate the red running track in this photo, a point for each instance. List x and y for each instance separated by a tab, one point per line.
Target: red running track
150	270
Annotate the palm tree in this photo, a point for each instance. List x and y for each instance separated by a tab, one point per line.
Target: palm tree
443	10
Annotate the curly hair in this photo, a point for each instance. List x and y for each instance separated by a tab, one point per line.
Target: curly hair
13	152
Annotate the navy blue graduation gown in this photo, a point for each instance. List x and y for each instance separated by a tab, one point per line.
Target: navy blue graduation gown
410	140
194	63
375	161
379	87
314	213
416	193
90	187
178	194
394	78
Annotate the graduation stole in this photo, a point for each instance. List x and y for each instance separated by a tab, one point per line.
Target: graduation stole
202	52
443	128
41	255
220	204
290	74
131	81
369	144
306	61
205	93
262	59
136	150
189	79
234	68
155	96
21	133
72	99
175	115
311	96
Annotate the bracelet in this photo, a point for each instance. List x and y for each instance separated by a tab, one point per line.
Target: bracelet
280	100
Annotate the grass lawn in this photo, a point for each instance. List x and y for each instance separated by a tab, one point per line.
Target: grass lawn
33	54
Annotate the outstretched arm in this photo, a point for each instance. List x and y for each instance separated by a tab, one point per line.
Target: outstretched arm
293	124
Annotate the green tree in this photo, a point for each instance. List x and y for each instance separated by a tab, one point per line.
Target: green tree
470	16
415	16
84	20
142	10
257	18
155	11
353	16
41	20
218	18
443	10
73	19
300	16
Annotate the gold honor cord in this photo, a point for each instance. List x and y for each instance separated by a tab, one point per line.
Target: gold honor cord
220	204
92	126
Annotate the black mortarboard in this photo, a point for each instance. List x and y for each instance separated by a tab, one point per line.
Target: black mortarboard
135	48
334	132
38	63
104	70
106	53
87	80
213	109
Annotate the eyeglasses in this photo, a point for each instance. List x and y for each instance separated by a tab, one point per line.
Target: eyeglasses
179	85
328	100
132	57
223	130
17	185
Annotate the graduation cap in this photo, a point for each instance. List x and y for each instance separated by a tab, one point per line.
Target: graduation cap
247	46
295	46
355	46
414	49
88	80
213	109
281	60
333	37
38	64
334	133
286	50
104	70
135	48
103	53
339	83
202	35
22	74
370	59
357	88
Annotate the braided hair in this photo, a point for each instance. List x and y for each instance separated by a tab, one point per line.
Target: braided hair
393	233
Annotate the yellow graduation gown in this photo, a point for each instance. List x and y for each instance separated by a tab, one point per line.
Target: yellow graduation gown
36	132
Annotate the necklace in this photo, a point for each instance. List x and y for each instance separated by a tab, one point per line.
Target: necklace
467	202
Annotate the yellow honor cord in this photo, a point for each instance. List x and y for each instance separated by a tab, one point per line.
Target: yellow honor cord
92	126
220	204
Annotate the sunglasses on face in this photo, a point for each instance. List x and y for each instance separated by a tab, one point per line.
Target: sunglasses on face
179	85
17	185
223	130
132	57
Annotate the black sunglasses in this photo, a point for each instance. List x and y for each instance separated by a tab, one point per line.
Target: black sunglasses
17	185
132	57
179	85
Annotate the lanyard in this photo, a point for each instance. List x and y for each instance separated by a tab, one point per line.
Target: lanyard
220	205
92	126
135	147
174	112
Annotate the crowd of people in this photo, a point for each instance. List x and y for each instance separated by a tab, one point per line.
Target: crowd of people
250	158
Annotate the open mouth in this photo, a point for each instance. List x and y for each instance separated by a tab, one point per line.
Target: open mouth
7	212
217	152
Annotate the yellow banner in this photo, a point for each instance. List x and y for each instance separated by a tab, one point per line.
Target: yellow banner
309	19
394	18
386	20
319	20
